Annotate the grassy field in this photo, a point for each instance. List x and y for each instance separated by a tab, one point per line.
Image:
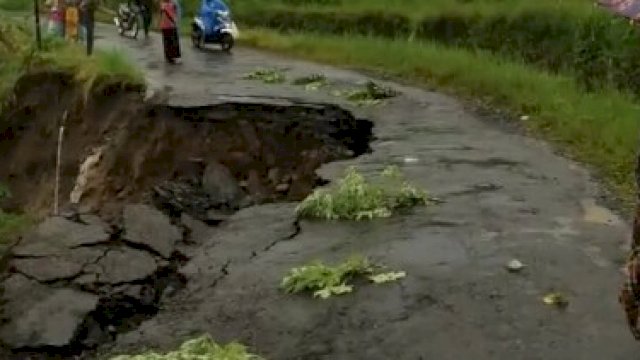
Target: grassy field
598	128
416	9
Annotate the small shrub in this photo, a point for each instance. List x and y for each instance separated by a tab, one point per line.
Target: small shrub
356	199
267	76
202	348
324	281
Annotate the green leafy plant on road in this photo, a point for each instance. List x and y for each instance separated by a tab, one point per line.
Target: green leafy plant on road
370	94
354	198
202	348
325	281
267	76
312	82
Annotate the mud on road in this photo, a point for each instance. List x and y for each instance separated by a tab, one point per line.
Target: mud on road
505	197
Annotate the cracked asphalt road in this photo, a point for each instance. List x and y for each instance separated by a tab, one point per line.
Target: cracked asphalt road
506	196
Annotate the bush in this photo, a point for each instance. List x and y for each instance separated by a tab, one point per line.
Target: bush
356	199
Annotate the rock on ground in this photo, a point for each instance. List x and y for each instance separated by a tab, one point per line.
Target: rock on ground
147	226
43	315
67	281
123	265
220	185
56	234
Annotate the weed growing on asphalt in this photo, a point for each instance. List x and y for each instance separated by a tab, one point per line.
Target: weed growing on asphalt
325	281
312	82
357	199
370	94
267	76
202	348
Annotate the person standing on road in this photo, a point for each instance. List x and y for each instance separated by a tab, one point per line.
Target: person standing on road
147	17
169	28
144	6
88	10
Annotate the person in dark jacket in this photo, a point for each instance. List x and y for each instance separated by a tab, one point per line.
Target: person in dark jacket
88	10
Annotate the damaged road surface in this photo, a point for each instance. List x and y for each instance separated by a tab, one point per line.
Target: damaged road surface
73	283
218	269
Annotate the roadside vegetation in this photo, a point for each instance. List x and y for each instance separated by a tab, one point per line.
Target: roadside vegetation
20	56
355	198
202	348
324	281
16	5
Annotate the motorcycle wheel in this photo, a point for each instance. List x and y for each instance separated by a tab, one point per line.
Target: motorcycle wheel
226	43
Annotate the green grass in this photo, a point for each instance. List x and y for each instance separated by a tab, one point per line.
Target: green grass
599	128
355	198
415	8
16	5
19	56
202	348
10	225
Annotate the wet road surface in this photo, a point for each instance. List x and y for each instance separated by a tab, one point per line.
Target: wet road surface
506	197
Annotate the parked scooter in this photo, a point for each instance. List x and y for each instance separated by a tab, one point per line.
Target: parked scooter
129	19
213	25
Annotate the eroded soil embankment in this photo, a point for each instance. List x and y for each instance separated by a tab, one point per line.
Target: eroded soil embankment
99	275
127	151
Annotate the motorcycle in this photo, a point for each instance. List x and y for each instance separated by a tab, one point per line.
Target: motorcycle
213	25
129	19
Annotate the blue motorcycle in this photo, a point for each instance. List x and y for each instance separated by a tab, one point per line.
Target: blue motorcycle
213	25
